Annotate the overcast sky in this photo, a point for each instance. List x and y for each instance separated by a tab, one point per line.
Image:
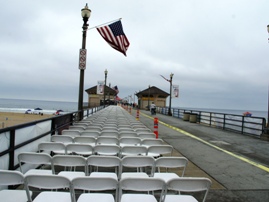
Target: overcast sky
217	50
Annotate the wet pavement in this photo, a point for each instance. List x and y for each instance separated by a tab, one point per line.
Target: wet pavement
237	164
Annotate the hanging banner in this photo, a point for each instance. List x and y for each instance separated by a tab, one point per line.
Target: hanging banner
100	87
175	91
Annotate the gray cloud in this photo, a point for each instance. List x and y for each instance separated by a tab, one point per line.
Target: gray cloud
216	50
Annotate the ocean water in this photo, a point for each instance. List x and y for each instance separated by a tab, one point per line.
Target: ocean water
48	107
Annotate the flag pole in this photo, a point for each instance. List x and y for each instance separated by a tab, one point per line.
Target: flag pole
105	23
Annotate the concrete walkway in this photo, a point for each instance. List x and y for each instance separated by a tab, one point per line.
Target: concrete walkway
238	165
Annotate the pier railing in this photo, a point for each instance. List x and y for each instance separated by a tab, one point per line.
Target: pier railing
26	137
232	122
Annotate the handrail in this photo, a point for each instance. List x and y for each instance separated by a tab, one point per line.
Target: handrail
232	122
58	123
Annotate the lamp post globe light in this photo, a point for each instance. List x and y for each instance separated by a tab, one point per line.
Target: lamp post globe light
85	13
169	110
105	88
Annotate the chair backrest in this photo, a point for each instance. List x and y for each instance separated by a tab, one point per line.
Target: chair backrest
137	162
62	138
72	132
160	149
147	135
68	160
109	133
11	177
107	140
51	146
103	161
76	127
109	150
142	130
79	149
141	185
94	184
130	141
190	184
85	124
133	151
171	162
93	128
33	158
151	142
85	139
123	129
127	134
90	133
47	182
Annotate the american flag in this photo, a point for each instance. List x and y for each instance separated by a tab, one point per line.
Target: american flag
114	36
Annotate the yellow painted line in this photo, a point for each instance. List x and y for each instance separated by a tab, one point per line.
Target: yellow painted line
211	145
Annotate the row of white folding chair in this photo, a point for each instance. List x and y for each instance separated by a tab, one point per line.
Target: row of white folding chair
106	140
141	187
97	161
126	190
108	128
105	149
94	133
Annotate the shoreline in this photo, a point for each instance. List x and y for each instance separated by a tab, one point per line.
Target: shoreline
8	119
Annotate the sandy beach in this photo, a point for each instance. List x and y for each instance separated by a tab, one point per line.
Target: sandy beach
8	119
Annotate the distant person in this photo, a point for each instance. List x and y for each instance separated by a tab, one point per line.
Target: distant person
153	108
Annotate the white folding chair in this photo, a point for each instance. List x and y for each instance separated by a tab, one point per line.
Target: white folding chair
107	162
72	132
187	184
52	147
70	162
167	168
85	140
7	178
66	139
107	150
140	189
133	151
104	140
29	161
129	141
140	163
96	185
159	150
79	149
46	185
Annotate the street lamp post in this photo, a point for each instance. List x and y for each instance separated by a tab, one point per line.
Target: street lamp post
169	110
105	88
148	98
85	13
